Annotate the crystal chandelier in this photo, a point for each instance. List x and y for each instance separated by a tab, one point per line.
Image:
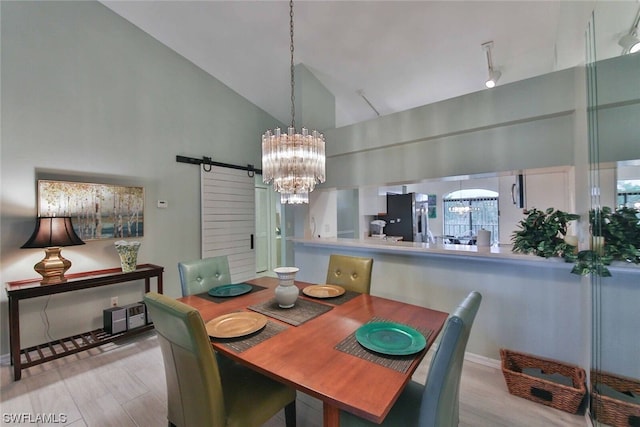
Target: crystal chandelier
294	162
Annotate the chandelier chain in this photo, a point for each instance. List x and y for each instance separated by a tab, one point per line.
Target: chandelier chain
293	99
294	162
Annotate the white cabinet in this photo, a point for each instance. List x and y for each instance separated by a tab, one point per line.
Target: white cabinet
543	188
370	202
548	190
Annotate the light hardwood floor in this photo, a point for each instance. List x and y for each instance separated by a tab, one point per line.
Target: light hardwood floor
123	385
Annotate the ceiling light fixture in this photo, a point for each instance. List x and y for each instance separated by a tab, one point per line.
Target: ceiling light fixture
294	162
494	74
630	42
461	209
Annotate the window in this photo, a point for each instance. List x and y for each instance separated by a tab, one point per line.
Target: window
467	211
629	193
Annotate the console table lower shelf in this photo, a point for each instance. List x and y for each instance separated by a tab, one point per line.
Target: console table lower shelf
56	349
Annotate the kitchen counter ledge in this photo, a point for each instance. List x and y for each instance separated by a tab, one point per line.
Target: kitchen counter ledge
500	253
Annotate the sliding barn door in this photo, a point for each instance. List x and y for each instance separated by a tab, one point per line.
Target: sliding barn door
228	219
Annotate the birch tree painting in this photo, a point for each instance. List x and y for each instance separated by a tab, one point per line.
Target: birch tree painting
99	211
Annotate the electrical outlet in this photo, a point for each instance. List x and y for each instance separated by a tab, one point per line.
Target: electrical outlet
114	301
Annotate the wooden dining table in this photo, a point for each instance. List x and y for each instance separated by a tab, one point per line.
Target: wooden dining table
305	356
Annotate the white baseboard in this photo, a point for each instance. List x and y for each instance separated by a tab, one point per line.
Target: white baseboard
5	359
482	360
472	357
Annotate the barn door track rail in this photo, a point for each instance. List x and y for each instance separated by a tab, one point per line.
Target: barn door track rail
207	163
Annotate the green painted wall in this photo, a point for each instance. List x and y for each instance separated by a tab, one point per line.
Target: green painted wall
618	113
87	96
527	124
315	105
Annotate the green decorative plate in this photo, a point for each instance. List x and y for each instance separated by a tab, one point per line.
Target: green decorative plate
390	338
232	290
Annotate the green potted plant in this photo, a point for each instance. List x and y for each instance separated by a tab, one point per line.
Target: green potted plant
542	233
621	232
593	260
615	236
590	262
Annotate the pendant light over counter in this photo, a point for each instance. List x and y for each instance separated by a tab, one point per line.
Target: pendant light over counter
294	162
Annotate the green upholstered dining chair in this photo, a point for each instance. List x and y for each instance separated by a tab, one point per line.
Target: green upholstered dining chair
200	275
202	392
436	403
350	272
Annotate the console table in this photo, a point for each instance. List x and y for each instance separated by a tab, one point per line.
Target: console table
24	289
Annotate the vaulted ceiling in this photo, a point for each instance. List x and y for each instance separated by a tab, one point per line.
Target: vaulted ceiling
398	54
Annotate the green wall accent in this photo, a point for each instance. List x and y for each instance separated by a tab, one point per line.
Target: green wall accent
518	146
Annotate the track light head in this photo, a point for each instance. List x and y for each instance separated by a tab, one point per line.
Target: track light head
630	43
494	76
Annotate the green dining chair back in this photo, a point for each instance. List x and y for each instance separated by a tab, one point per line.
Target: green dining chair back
202	392
350	272
436	404
200	275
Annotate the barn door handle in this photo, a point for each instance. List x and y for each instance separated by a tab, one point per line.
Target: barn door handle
252	241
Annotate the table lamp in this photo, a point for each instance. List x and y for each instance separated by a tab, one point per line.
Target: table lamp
52	233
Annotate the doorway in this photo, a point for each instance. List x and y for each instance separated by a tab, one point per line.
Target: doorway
268	236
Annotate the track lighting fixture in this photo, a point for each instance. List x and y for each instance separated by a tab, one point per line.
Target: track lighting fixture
494	74
630	42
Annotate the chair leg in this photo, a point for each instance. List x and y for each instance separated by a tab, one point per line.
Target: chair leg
290	414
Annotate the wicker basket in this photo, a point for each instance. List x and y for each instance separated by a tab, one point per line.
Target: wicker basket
614	412
539	390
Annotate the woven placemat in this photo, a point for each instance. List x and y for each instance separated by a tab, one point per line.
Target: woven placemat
241	344
205	295
302	311
347	296
350	345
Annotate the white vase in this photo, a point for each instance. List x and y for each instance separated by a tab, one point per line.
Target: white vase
286	291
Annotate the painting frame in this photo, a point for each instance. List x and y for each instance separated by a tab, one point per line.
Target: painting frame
98	211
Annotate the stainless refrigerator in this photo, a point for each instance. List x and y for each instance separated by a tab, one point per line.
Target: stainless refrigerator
407	217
